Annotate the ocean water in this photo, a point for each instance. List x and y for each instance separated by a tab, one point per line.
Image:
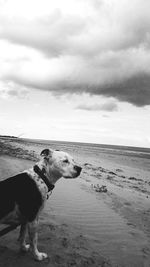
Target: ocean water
95	148
73	203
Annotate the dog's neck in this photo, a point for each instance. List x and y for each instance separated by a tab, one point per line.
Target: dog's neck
52	177
41	174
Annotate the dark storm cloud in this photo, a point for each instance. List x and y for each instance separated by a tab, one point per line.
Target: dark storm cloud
135	90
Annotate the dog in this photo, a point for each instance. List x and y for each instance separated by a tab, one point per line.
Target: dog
22	197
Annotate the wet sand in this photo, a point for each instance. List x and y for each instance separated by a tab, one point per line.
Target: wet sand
85	227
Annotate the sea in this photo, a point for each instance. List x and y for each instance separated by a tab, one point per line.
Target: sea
142	152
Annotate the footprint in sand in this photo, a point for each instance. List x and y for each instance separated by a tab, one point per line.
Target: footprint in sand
119	170
65	242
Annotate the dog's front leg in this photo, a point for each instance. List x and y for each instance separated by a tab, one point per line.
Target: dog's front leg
22	237
33	235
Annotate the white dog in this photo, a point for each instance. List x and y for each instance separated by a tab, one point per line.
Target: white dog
22	197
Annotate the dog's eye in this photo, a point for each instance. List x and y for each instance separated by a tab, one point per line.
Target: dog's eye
65	161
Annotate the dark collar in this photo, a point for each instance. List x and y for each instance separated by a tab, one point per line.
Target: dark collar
43	177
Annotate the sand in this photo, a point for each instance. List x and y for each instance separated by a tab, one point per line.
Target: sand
86	227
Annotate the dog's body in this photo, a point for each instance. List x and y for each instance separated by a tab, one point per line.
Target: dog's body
22	197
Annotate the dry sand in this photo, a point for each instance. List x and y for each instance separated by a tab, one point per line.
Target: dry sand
115	228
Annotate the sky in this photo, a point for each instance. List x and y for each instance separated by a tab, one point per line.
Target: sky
76	70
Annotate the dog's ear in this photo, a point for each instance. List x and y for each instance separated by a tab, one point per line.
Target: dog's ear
46	153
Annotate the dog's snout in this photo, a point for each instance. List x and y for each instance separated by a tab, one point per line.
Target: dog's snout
77	168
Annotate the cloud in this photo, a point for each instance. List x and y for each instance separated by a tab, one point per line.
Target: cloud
9	90
109	25
135	90
97	47
52	35
107	106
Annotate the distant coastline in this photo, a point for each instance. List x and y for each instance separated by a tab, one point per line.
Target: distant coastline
122	147
8	136
93	145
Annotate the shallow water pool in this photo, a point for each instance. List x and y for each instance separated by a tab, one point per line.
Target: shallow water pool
73	202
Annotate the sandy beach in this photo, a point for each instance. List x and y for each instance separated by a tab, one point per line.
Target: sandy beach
85	226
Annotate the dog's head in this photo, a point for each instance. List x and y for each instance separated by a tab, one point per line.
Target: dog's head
60	164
